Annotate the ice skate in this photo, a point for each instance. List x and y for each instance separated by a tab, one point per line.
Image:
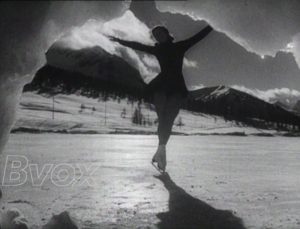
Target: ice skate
159	159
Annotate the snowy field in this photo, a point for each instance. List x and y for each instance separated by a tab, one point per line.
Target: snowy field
64	113
255	178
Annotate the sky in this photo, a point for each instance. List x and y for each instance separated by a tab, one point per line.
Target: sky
261	26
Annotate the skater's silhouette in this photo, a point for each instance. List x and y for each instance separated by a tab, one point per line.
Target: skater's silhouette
168	89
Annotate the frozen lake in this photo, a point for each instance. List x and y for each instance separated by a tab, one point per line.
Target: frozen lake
256	178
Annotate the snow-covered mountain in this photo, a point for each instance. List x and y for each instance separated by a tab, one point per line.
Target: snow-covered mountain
238	105
283	105
297	107
95	62
286	101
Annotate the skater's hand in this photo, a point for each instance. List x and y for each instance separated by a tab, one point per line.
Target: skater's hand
114	39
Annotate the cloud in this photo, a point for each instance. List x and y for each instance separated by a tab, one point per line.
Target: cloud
294	47
189	63
195	87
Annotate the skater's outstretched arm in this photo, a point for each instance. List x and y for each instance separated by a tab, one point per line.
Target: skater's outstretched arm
134	45
186	44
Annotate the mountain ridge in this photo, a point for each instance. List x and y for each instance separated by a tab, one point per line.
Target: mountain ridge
219	100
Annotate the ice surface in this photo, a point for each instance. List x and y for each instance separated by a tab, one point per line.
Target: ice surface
257	178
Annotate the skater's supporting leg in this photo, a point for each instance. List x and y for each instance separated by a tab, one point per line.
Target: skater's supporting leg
169	114
167	108
159	100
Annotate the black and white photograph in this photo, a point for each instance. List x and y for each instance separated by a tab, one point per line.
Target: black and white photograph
150	114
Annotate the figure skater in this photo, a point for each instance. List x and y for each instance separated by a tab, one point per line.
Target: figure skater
168	89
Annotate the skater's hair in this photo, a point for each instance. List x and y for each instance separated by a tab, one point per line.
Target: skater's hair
160	28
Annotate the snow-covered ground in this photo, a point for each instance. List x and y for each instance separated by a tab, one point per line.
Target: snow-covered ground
256	178
35	113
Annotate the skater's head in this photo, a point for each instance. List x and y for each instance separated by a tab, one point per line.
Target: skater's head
161	34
